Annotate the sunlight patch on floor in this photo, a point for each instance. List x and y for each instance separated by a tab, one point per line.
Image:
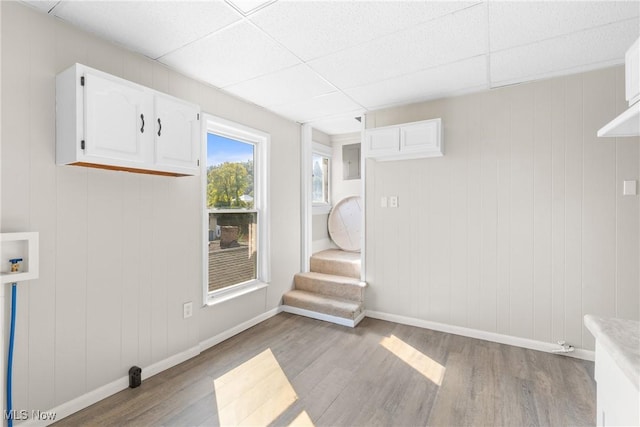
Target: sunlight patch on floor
422	363
302	420
255	393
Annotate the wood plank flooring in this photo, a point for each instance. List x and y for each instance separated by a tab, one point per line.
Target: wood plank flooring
378	374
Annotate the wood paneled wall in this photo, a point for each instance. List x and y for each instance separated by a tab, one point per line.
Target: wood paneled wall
120	252
521	228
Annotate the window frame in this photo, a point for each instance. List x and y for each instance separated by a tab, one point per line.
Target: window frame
327	152
261	142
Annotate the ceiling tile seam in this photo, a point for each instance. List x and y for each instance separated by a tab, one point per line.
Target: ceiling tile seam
421	70
252	11
401	30
54	6
591	66
566	34
238	22
302	61
271	73
432	97
335	115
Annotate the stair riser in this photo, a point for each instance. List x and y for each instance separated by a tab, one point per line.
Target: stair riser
321	308
336	268
339	290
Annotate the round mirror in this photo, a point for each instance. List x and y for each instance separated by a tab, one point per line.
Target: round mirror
345	224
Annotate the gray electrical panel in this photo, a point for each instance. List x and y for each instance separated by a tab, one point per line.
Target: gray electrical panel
351	161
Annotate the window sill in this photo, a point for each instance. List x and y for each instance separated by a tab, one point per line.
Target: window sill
321	209
235	293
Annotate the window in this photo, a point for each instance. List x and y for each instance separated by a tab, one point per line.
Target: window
321	177
320	181
235	210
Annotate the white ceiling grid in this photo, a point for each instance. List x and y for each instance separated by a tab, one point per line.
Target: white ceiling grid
327	61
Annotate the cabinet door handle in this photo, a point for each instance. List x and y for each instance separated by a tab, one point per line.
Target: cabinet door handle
160	127
142	128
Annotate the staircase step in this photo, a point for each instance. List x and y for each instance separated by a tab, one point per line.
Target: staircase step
336	262
342	287
323	304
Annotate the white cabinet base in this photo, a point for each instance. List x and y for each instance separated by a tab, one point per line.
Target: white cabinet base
618	399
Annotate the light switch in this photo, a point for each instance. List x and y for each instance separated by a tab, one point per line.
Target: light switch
383	201
629	188
393	201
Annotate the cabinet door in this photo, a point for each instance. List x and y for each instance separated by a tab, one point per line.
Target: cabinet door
177	133
117	122
420	137
381	142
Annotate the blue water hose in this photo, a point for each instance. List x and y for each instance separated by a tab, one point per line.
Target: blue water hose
14	292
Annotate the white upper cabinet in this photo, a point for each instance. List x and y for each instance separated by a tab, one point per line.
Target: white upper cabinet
177	133
106	122
115	120
382	142
406	141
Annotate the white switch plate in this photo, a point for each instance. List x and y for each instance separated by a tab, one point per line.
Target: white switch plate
629	188
393	201
187	310
383	201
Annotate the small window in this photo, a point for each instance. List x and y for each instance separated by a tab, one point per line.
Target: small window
321	178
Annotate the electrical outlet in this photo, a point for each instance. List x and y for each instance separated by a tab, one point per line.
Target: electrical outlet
393	201
629	188
187	310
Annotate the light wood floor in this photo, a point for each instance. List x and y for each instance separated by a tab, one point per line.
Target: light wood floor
291	368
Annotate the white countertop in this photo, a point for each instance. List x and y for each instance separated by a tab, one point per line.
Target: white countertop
621	339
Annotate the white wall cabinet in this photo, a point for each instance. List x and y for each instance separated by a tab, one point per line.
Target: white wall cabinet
406	141
107	122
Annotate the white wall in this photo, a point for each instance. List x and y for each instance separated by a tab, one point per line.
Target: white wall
521	228
119	251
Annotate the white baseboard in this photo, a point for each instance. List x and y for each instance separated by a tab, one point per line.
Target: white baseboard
94	396
482	335
112	388
210	342
321	316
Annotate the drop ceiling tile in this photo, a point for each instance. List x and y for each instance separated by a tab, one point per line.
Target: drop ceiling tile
152	28
332	104
576	52
237	53
314	29
249	6
339	125
462	76
42	5
282	87
441	41
517	23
